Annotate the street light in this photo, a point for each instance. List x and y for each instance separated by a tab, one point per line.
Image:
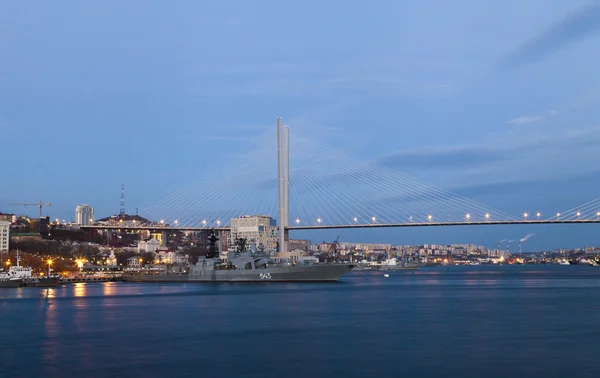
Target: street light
468	216
538	215
410	218
49	262
7	262
355	219
429	217
578	213
525	215
297	221
319	220
557	215
373	219
487	216
218	222
162	221
204	222
176	222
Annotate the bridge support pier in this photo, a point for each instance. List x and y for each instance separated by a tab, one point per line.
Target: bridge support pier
164	242
220	242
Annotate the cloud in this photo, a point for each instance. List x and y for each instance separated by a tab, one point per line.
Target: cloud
582	24
524	120
590	178
444	157
493	166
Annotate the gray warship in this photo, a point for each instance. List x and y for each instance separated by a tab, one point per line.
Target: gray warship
244	266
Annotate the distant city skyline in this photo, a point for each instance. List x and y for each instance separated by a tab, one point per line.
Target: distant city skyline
497	102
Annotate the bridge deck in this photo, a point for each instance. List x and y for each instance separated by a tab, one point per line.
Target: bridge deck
369	225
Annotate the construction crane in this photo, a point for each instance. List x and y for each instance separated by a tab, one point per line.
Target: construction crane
40	205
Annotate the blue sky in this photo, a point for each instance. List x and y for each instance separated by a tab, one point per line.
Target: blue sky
495	101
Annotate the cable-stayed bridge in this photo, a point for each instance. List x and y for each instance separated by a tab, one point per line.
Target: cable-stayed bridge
325	187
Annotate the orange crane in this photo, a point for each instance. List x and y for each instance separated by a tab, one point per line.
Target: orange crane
40	205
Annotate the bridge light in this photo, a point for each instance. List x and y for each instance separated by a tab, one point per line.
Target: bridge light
410	218
557	215
319	220
468	216
204	222
598	214
162	221
525	215
218	222
578	213
176	221
538	215
355	219
297	221
429	217
487	215
373	219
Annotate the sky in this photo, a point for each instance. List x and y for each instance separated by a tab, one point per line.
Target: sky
495	101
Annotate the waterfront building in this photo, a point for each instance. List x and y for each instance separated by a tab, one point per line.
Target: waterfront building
84	215
4	236
260	231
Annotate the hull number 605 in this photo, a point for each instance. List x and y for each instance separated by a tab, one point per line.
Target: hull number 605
265	276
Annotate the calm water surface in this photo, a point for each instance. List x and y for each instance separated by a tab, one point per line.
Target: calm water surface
485	321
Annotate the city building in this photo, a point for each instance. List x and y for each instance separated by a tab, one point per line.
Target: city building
260	232
169	257
4	236
8	218
302	245
84	215
151	245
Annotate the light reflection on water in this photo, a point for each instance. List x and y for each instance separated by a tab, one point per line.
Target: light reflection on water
110	288
79	289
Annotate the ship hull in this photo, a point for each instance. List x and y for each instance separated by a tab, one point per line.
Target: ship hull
11	283
311	273
43	281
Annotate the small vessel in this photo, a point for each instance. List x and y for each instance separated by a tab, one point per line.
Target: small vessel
593	263
25	276
16	272
388	264
563	262
11	282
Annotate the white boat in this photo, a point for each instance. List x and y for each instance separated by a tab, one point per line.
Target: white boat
17	271
563	262
593	263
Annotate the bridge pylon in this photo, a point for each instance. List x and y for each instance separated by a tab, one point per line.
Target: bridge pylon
283	184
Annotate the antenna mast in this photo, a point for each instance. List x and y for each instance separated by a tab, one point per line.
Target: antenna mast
122	212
